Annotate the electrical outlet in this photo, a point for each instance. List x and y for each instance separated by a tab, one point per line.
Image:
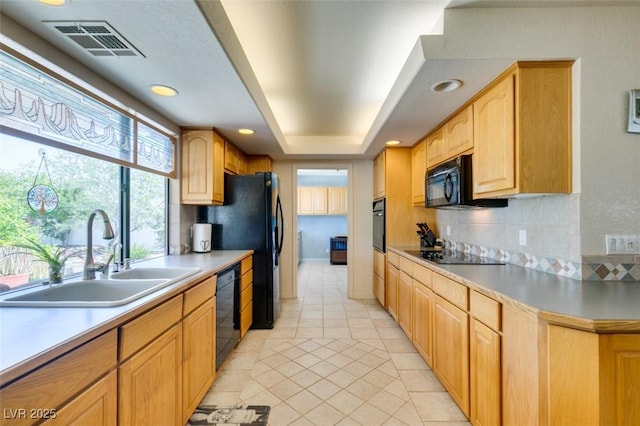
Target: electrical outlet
622	244
326	250
448	230
523	237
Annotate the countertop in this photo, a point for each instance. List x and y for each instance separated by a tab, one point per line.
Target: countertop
600	306
32	336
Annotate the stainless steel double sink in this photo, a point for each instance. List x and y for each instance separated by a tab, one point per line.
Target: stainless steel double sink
121	288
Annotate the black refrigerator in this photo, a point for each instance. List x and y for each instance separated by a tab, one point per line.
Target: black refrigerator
251	218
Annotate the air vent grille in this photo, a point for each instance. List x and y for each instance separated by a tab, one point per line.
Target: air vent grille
97	37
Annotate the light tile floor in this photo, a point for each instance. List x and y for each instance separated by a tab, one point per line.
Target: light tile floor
331	360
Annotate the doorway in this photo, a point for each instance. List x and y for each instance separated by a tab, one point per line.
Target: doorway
322	224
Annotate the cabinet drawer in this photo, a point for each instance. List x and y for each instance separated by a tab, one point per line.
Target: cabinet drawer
486	310
378	263
199	294
406	265
422	274
393	258
246	296
142	330
246	264
454	292
246	280
246	318
49	386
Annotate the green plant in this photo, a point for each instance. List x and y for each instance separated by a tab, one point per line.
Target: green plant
139	252
54	256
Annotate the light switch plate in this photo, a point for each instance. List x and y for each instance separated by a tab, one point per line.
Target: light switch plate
622	244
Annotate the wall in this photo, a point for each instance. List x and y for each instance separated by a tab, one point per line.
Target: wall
360	194
606	158
318	229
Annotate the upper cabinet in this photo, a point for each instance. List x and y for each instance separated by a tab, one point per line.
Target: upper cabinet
453	138
337	198
458	133
418	170
259	163
312	200
202	171
379	176
235	162
322	200
522	131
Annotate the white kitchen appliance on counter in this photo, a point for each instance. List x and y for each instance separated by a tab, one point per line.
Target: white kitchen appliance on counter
201	237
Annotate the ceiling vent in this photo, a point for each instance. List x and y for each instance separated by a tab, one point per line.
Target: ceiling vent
96	37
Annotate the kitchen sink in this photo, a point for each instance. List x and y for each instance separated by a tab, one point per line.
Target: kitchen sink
122	288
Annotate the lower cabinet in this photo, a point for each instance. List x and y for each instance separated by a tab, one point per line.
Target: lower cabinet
97	406
393	275
379	287
199	354
423	300
451	351
246	295
78	387
150	383
405	307
484	350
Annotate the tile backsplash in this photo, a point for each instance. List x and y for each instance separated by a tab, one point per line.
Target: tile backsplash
551	224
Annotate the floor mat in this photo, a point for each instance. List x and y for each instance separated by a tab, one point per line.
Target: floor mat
240	415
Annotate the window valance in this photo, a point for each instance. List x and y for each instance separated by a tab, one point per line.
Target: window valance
41	105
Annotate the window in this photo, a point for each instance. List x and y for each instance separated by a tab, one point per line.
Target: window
97	154
82	184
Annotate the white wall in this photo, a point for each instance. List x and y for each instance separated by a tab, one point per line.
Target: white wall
360	194
605	41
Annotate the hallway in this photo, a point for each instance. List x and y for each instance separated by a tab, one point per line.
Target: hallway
333	361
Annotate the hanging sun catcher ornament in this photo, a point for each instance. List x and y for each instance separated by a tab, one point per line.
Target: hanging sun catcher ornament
42	198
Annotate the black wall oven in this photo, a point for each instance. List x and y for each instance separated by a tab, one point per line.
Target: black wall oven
378	225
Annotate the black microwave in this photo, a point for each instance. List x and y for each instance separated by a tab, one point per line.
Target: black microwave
450	185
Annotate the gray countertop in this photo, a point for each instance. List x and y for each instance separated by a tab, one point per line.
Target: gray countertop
31	336
548	294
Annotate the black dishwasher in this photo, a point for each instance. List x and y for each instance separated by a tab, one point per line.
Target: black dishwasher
227	312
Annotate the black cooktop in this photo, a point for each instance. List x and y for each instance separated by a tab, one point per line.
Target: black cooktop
446	257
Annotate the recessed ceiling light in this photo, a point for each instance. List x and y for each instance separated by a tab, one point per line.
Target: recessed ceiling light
162	90
52	2
392	143
246	131
446	86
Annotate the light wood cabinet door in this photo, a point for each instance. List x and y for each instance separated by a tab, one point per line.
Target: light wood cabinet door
199	355
436	148
312	200
494	139
405	306
459	132
97	406
337	198
418	171
379	287
423	302
150	383
230	158
259	164
451	351
202	171
485	376
320	205
393	275
379	176
26	400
